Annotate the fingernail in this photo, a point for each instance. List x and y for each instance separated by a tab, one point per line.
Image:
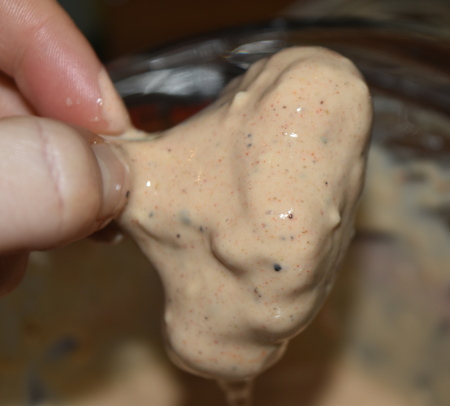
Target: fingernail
111	105
115	181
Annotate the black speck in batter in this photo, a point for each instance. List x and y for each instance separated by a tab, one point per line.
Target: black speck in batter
249	145
277	267
178	235
127	194
290	215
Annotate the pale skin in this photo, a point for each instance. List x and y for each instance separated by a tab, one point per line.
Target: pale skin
59	182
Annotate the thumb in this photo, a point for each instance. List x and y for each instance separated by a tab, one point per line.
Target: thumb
58	184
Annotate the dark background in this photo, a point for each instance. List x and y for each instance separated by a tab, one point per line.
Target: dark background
118	27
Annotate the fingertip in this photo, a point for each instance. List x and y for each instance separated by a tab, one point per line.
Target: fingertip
65	183
113	170
56	69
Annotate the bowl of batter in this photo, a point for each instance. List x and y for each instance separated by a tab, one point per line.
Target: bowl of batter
404	65
383	334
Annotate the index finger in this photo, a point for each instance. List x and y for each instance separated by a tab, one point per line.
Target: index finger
55	68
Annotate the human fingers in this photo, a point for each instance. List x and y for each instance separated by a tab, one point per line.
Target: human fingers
55	68
58	184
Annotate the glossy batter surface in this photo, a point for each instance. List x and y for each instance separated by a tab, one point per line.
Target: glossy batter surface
246	210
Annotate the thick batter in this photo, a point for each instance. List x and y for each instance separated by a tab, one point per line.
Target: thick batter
247	209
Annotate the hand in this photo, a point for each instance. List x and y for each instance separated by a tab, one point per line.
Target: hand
58	182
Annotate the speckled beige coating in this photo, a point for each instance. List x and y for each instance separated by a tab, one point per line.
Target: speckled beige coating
247	209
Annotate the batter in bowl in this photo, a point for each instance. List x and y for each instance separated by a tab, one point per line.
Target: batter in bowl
246	210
